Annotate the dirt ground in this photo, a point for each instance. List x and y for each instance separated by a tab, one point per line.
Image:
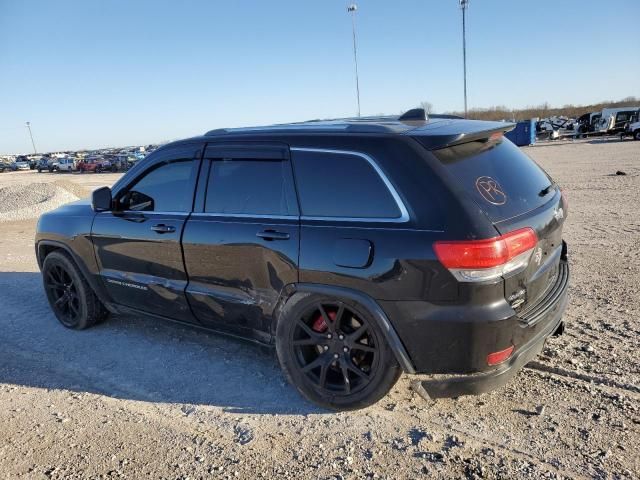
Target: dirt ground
137	398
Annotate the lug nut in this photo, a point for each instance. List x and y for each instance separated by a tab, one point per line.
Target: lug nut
335	355
328	335
345	349
326	347
341	337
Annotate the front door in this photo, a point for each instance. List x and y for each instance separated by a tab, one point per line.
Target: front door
137	244
241	243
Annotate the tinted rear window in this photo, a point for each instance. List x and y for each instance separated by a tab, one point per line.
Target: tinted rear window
250	187
341	185
503	181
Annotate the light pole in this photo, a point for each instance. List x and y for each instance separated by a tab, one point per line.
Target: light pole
463	5
31	135
352	9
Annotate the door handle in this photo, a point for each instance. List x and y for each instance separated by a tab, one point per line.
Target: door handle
162	228
273	235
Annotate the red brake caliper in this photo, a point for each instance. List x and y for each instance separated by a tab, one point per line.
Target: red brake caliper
319	325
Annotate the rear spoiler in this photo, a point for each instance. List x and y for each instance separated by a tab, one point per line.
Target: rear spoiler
437	135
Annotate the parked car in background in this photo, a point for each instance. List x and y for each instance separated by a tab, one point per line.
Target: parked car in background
359	249
20	165
43	165
4	166
65	164
632	128
94	164
586	123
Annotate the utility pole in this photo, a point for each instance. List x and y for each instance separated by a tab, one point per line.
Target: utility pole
463	5
352	9
31	135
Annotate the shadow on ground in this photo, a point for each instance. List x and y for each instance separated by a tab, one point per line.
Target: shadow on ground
135	358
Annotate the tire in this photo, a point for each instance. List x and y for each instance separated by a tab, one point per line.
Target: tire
354	365
71	298
636	135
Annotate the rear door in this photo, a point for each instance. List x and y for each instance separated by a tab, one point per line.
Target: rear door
241	243
137	245
513	192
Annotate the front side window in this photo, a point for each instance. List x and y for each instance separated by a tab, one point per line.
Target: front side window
341	185
168	187
250	187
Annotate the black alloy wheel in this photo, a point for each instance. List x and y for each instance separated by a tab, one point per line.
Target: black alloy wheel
72	300
334	353
63	295
335	348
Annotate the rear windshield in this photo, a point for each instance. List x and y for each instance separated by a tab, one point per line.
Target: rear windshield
503	181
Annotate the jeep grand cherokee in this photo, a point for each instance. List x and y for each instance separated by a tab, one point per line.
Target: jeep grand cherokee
360	249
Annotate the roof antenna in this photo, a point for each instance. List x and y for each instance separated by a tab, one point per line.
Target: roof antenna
414	114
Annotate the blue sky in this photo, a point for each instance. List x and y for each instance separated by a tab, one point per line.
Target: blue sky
91	73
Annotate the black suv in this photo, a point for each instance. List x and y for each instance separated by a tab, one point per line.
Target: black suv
358	248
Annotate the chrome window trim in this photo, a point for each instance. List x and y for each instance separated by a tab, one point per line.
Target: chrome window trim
147	212
404	213
246	215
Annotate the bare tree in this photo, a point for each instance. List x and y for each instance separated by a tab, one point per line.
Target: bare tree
427	106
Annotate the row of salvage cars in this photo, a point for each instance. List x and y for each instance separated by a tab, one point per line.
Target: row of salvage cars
97	164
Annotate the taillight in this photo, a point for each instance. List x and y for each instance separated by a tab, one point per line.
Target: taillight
482	260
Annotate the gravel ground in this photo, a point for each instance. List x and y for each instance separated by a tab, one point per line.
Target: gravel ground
135	398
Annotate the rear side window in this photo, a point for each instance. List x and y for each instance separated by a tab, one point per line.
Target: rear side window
503	181
341	185
250	187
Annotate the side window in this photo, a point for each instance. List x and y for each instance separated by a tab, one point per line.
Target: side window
250	187
341	185
166	188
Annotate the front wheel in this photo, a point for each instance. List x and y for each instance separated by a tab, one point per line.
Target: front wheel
71	298
334	353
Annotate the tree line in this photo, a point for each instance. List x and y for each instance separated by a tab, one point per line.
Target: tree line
544	110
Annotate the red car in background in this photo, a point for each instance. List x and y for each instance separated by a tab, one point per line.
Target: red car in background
94	164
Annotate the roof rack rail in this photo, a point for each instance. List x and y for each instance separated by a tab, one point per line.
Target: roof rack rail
372	124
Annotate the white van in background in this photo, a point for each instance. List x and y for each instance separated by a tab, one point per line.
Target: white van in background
613	120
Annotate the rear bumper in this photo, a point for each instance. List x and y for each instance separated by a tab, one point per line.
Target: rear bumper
474	384
453	351
541	322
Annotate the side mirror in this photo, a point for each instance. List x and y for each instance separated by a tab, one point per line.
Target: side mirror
101	199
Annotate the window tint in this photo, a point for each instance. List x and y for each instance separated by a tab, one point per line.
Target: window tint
341	185
166	188
499	176
250	187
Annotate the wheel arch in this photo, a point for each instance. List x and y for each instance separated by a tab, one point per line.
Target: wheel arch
46	247
364	300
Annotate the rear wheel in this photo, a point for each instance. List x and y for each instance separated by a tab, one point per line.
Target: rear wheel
71	298
334	353
636	135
